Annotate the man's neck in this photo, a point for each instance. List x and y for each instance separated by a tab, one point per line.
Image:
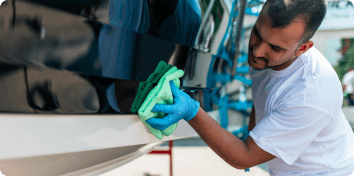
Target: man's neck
283	65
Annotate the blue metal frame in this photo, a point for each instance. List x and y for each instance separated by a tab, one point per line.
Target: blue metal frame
218	96
222	99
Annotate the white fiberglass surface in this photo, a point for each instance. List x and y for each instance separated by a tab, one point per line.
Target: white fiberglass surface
24	135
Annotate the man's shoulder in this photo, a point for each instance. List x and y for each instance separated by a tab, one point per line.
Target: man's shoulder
317	80
312	56
316	65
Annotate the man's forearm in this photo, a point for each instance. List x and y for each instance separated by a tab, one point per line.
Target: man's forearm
231	149
252	122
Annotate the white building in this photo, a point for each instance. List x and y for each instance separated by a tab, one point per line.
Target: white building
337	25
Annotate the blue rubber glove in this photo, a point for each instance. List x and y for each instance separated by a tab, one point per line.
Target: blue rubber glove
183	107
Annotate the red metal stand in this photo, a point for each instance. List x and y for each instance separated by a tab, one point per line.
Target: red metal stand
169	152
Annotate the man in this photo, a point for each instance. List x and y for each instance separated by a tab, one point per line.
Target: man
297	125
347	82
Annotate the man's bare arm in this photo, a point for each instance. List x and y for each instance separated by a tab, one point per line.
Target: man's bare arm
252	122
239	154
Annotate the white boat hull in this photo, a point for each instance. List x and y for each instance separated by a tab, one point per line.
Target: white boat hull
61	144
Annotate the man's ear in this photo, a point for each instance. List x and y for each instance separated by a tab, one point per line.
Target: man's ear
304	47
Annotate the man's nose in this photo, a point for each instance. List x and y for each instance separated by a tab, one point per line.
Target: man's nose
259	50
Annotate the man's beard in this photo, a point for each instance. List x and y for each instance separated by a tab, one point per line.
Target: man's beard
267	61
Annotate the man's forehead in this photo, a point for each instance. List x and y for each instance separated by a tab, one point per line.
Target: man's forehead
282	37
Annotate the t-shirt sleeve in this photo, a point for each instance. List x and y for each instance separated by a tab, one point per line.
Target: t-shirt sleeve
288	130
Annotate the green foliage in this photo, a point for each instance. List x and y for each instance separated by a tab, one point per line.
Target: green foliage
346	61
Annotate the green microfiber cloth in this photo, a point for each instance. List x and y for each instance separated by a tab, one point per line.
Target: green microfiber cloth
145	87
159	72
160	94
141	95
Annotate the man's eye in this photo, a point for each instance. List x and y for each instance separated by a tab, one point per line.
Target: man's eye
276	49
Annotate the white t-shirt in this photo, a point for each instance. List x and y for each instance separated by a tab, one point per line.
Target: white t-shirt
299	118
348	81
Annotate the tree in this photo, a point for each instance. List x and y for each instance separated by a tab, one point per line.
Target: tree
347	59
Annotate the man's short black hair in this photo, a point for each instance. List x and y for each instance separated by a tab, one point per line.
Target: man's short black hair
283	12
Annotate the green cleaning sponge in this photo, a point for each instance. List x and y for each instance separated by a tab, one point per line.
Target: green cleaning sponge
160	94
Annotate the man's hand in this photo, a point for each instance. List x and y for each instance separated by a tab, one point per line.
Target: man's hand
183	107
